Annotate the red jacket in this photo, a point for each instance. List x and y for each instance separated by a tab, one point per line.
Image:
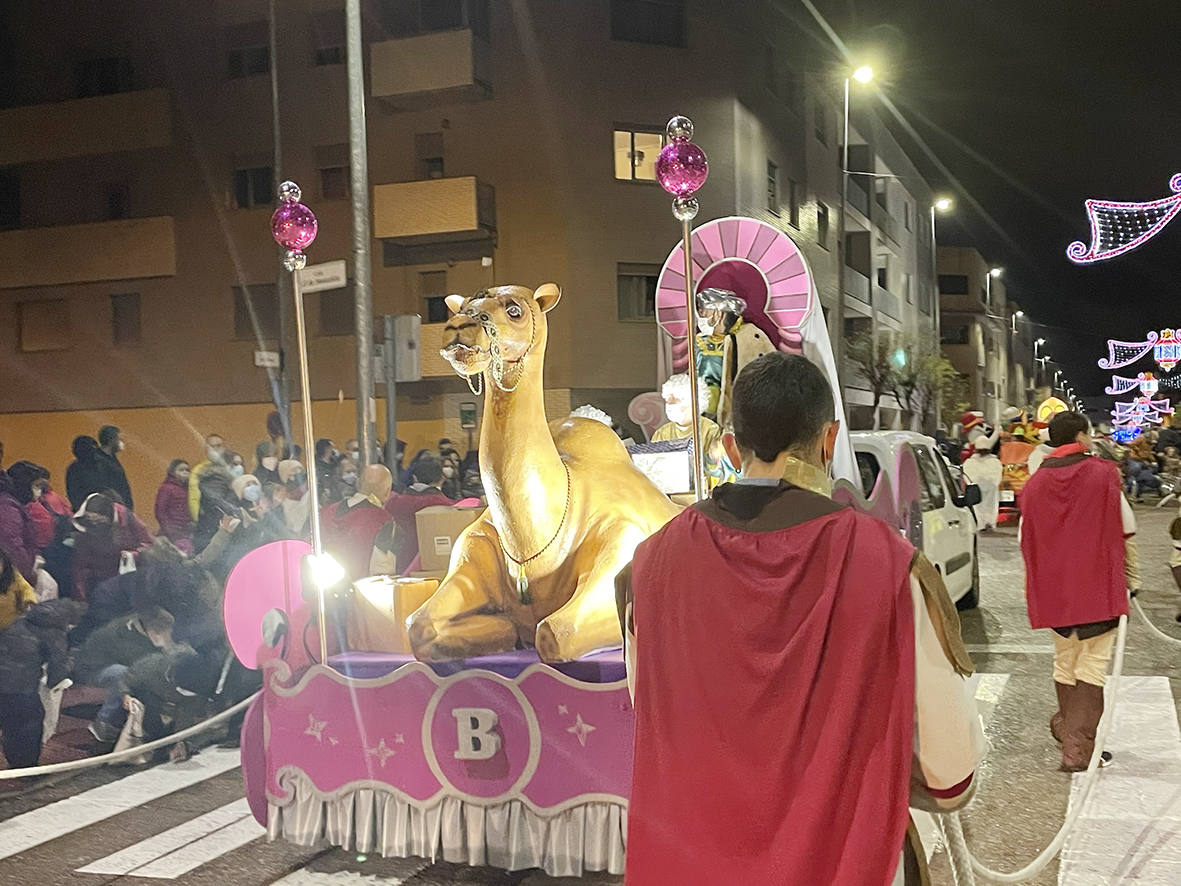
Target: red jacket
403	508
349	533
18	535
97	553
173	515
774	703
44	512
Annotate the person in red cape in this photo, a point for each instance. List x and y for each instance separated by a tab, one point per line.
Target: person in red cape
797	669
353	526
1080	562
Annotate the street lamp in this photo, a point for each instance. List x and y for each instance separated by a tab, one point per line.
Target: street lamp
863	75
944	204
1036	345
1017	315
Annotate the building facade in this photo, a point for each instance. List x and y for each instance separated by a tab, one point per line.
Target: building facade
506	143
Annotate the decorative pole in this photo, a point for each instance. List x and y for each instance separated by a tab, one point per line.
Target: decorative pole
294	226
682	169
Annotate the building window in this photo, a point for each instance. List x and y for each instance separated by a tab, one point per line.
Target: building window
337	315
908	288
661	22
883	277
770	74
953	284
954	335
328	38
248	61
252	187
428	154
125	319
881	192
103	76
256	312
772	188
793	205
820	113
409	18
10	199
636	291
432	288
636	151
332	163
44	325
822	224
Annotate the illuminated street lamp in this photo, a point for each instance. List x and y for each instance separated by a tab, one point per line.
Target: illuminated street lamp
863	74
944	204
1017	315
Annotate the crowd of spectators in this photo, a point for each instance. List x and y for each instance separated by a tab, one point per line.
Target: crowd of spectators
94	593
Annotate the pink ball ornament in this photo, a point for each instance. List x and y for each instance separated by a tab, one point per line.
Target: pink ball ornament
293	225
681	168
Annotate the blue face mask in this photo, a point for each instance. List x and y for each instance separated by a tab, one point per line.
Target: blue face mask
237	470
252	493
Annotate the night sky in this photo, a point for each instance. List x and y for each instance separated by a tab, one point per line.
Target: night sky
1060	100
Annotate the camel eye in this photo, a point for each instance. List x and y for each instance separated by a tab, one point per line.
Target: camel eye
514	311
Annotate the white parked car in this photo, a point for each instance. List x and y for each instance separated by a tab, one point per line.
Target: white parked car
931	505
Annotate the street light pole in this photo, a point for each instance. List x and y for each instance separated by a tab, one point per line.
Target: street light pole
841	257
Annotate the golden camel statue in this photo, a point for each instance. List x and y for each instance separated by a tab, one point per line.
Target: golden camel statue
566	507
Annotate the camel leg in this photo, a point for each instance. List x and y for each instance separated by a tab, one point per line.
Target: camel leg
589	621
463	618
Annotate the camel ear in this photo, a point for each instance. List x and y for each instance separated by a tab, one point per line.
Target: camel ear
454	302
547	296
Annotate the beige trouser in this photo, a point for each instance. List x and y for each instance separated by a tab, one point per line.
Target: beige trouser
1078	660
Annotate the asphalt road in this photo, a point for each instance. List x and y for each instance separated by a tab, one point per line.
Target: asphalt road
187	823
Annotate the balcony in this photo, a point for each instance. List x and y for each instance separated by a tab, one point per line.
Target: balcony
885	222
85	127
437	219
858	199
443	66
857	285
127	249
887	302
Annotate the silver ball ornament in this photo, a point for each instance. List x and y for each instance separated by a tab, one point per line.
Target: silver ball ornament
685	208
294	261
679	128
289	192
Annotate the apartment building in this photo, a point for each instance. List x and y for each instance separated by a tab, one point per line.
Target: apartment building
984	334
506	142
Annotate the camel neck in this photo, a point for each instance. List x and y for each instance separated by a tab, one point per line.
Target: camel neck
524	477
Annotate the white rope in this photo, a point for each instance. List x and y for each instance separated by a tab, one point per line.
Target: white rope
116	756
1151	626
1035	867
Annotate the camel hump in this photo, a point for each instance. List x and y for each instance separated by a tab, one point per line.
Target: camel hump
587	439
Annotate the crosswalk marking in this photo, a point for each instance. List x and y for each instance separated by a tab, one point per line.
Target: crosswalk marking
187	846
304	877
30	829
1129	830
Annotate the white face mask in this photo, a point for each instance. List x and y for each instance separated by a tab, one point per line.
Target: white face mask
252	493
448	472
704	326
355	454
678	413
121	446
270	462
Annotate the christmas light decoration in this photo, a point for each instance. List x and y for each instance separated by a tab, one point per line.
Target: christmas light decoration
1117	227
1125	434
1145	381
1141	411
1125	353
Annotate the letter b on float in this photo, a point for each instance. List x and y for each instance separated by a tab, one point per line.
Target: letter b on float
477	741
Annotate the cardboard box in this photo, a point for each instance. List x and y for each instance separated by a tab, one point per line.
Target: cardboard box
438	527
380	606
436	575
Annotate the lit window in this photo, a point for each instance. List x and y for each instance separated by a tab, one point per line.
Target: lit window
636	151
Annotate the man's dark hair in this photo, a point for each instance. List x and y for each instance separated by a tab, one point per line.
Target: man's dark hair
428	469
107	435
781	401
1065	426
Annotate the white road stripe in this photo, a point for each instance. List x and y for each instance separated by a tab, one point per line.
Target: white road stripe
197	853
1130	828
143	859
304	877
23	832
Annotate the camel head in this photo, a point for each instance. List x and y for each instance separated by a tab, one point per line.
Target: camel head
497	328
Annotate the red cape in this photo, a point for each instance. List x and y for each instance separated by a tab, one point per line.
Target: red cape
774	706
350	533
1072	539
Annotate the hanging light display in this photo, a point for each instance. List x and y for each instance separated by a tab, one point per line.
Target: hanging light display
1141	411
1145	381
1118	227
1165	347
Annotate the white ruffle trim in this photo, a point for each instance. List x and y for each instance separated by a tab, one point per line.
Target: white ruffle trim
509	836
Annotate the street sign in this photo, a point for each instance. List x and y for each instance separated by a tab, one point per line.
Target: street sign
467	416
266	359
326	275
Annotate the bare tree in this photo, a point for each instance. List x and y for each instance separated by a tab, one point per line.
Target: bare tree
872	361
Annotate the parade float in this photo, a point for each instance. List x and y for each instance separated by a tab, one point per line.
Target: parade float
491	724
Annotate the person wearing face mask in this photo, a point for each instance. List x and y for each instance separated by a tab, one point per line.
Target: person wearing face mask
297	502
217	500
266	466
110	444
726	343
103	531
352	449
215	454
838	612
172	506
236	464
348	476
677	395
327	471
353	526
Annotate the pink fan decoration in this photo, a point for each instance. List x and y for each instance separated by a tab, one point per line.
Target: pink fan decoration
1117	227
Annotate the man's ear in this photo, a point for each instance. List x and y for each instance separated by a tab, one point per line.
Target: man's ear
547	296
731	446
830	440
454	302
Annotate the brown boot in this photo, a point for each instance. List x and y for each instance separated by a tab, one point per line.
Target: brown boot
1081	724
1057	722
